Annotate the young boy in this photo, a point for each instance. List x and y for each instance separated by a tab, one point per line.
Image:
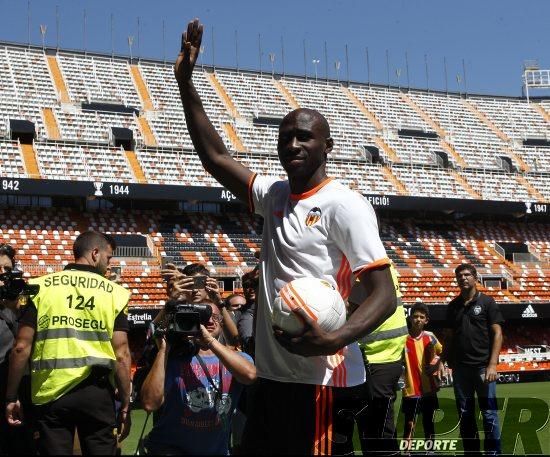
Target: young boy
422	352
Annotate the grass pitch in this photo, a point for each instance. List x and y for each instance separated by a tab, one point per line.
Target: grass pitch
524	419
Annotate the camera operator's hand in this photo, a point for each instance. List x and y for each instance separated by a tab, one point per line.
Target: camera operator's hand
161	343
205	339
213	291
14	413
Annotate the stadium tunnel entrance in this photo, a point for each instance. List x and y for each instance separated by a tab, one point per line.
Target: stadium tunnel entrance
22	130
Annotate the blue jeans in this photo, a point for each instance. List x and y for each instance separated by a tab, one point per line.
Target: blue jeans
468	381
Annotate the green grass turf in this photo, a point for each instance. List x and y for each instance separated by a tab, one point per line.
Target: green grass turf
522	405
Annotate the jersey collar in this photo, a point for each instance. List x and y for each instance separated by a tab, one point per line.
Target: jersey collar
310	192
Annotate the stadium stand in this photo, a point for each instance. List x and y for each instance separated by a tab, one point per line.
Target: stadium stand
482	134
388	141
11	162
98	78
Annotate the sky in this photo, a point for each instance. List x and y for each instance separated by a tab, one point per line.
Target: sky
481	43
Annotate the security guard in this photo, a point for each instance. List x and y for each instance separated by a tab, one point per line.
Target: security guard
371	405
75	334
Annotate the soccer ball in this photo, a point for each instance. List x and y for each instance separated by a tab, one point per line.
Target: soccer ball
317	297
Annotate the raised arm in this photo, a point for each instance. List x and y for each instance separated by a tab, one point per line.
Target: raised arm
241	369
207	142
152	390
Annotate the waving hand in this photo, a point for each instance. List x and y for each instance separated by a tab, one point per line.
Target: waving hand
189	53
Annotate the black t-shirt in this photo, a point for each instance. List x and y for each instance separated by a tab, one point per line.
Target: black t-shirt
29	313
471	324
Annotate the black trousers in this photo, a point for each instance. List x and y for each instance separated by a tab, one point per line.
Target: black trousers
371	407
426	405
289	419
16	440
90	409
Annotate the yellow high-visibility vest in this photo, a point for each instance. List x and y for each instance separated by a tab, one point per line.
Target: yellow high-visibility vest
76	312
386	343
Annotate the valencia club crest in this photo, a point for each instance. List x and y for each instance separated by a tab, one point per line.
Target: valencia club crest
313	216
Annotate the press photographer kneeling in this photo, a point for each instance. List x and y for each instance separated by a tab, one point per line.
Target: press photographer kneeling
194	377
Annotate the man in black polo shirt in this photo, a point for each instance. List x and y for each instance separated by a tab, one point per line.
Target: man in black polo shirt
476	337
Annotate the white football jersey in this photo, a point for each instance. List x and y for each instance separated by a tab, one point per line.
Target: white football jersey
329	232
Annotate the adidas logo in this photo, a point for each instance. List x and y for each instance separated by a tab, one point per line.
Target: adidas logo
529	312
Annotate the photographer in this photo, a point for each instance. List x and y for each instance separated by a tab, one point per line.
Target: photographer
12	441
198	380
193	284
8	316
244	317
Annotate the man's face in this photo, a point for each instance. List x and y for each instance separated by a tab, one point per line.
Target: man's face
249	291
466	280
419	320
302	144
236	302
101	257
213	325
6	264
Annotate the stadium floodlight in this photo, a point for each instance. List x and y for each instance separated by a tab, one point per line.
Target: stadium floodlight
272	60
534	77
398	74
201	52
315	62
43	28
130	43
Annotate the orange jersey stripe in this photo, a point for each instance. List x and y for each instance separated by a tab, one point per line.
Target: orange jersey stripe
322	435
317	420
343	278
344	369
375	264
329	429
419	353
339	372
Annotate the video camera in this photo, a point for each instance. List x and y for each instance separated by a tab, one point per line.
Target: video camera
183	320
14	286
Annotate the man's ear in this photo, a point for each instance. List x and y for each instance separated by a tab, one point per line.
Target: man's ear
95	254
329	142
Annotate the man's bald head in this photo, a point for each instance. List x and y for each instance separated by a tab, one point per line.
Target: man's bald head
319	121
